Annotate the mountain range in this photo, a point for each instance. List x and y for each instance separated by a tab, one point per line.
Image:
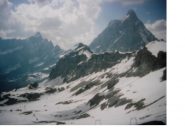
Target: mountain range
120	78
23	59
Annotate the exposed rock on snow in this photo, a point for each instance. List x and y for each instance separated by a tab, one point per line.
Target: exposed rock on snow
116	94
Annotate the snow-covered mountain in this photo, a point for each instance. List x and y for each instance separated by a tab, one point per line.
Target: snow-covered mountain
22	61
123	35
89	88
119	79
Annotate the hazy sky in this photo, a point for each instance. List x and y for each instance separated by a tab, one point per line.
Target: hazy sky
67	22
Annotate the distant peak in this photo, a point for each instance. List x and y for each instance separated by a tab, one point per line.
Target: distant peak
38	34
80	46
131	13
57	46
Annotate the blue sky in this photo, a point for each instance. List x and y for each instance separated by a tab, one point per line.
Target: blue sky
67	22
148	11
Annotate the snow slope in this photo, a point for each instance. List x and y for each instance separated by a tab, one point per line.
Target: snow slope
90	100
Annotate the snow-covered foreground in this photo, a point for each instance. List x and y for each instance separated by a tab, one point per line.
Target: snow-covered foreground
107	97
63	107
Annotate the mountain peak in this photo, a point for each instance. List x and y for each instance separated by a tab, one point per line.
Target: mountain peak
80	46
131	13
83	49
38	35
128	34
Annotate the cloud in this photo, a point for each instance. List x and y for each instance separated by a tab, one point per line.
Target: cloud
128	2
158	28
5	13
40	1
65	22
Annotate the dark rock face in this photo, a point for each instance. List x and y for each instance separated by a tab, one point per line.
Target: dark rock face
33	85
25	97
12	101
74	66
161	59
50	90
66	66
49	122
163	78
31	96
123	35
95	100
27	112
85	115
112	83
87	87
19	58
154	123
145	62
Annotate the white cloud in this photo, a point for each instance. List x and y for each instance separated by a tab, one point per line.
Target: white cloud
158	28
5	13
65	22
